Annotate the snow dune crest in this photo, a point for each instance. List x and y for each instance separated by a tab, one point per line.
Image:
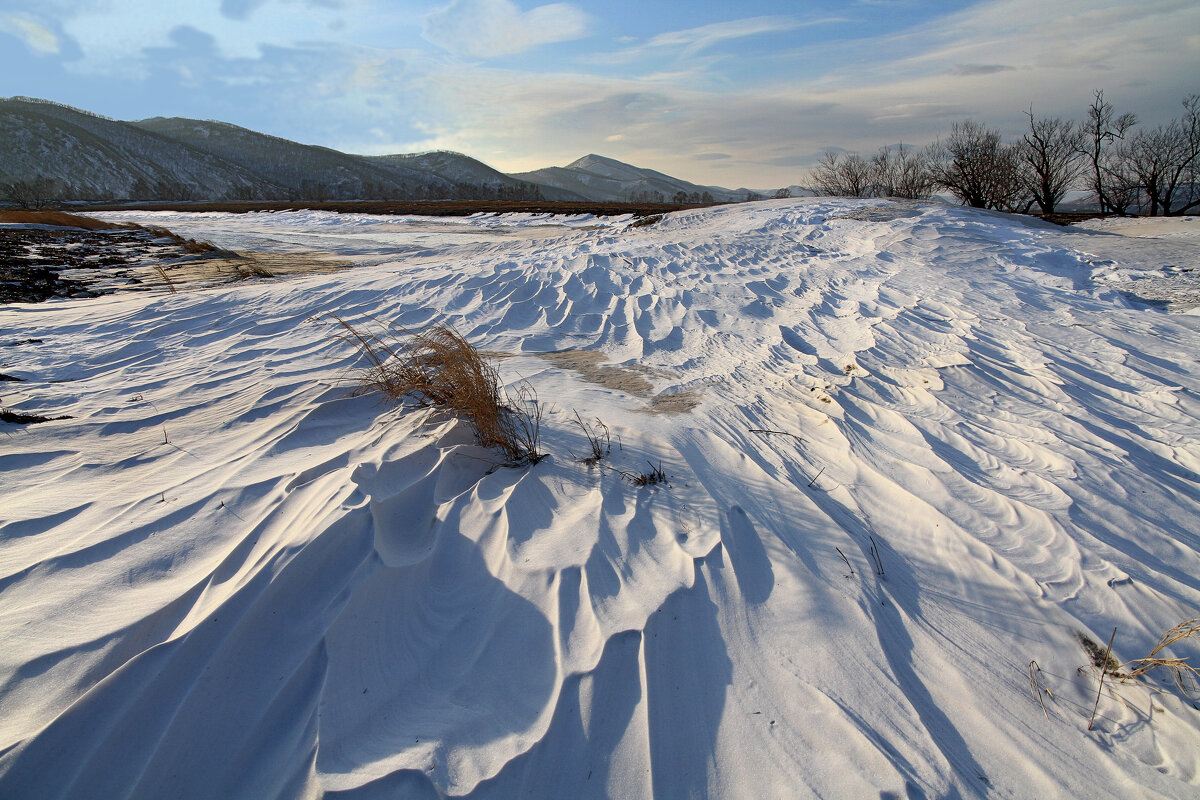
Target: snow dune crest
911	448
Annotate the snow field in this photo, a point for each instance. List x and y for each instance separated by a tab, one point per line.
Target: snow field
228	576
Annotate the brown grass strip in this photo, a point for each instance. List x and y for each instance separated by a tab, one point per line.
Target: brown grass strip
58	218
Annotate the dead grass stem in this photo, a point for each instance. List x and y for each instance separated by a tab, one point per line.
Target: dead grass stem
162	273
1035	687
598	439
1103	672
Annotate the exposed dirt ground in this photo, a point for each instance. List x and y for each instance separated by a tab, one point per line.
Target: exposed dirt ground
67	255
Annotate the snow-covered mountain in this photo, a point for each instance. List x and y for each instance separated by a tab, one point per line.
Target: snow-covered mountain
608	180
462	170
314	171
86	156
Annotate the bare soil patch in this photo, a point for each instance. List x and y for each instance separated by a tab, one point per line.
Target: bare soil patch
590	364
592	367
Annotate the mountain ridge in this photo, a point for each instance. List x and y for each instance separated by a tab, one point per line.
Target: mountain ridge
53	149
605	178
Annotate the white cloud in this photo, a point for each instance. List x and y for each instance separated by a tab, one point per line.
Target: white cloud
38	37
113	36
488	28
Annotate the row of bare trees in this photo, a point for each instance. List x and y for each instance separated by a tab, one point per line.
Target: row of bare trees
891	172
1154	171
37	193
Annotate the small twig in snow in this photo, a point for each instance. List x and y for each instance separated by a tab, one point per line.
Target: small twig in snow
814	480
875	555
843	555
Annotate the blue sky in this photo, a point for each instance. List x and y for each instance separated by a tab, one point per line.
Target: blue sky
735	94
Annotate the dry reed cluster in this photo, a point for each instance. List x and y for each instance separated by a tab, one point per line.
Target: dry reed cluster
441	368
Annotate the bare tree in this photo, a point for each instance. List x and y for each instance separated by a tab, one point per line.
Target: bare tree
1191	129
1149	156
1052	154
900	173
1121	189
843	175
1100	131
1165	162
977	168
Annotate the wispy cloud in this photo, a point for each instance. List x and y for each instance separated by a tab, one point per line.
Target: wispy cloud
242	9
695	40
491	28
971	70
37	36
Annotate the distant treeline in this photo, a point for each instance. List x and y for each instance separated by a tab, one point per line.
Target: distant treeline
679	198
1129	169
38	193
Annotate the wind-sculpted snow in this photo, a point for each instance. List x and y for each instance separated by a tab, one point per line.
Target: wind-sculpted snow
228	575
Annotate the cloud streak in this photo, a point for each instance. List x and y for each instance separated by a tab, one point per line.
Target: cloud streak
492	28
35	35
968	70
695	40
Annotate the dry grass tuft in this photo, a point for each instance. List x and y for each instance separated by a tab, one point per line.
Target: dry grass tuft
441	368
20	418
250	268
654	477
642	222
1101	659
1182	672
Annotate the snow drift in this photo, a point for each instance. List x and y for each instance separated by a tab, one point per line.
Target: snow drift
911	450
